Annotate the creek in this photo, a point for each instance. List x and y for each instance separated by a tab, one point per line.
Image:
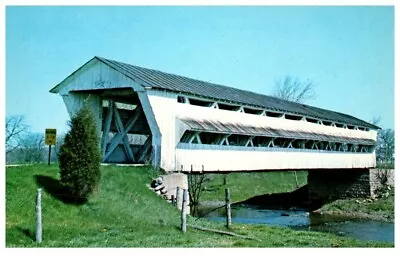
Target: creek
369	230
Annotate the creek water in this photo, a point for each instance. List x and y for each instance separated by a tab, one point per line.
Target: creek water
362	229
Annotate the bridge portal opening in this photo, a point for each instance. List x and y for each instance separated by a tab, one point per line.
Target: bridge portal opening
125	133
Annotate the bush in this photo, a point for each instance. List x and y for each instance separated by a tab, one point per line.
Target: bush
79	156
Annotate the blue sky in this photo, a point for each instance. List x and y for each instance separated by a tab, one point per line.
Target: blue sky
348	52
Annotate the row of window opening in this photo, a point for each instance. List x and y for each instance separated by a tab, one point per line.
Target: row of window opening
225	106
209	138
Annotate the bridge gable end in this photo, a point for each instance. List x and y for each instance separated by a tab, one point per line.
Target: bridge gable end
96	75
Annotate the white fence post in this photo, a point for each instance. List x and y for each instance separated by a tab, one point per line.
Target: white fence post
39	215
183	213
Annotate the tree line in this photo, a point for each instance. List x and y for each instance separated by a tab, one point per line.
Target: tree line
24	146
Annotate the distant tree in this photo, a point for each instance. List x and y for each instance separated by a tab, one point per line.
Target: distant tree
384	150
32	148
15	128
292	89
376	120
79	157
57	147
385	147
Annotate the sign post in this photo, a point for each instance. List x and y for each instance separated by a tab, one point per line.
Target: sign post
51	137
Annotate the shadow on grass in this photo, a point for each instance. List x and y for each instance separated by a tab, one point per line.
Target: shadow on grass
27	233
57	190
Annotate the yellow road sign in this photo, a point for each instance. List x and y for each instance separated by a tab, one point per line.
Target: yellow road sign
51	135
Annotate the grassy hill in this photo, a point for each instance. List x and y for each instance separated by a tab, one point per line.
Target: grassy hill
125	213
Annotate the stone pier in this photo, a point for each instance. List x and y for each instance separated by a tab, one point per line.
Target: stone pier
332	184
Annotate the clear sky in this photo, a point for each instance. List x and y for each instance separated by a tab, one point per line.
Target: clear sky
348	52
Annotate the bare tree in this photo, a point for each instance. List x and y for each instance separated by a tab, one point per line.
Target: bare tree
385	147
30	149
196	184
15	127
292	89
376	120
33	148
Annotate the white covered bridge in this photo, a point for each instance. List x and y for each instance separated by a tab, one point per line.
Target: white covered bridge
182	124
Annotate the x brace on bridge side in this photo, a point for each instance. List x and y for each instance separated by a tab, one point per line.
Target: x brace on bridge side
122	133
146	147
107	127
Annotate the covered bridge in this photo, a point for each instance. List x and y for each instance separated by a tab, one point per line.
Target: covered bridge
182	124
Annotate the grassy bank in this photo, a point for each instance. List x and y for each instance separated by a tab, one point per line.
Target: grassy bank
125	213
246	185
379	209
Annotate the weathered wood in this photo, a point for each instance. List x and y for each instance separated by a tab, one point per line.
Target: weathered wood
39	215
115	141
228	208
177	196
107	127
146	147
124	131
223	232
173	200
183	213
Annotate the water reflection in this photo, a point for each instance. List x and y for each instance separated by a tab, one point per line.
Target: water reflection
302	220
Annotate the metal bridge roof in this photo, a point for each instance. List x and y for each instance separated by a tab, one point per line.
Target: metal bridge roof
180	84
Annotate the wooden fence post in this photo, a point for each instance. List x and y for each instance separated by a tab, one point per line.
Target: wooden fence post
173	200
177	197
39	215
228	208
183	213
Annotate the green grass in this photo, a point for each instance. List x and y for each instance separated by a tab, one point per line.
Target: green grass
381	208
125	213
246	185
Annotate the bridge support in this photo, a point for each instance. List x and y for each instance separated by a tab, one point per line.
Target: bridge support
326	185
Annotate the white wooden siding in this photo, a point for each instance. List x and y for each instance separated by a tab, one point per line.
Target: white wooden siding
75	100
96	75
163	105
168	113
230	160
